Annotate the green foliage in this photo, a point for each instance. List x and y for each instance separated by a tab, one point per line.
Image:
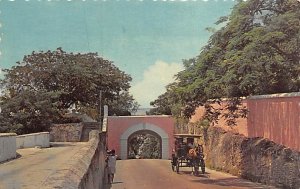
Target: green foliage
256	52
28	112
165	105
39	90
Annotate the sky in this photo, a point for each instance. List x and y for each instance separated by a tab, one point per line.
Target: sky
147	39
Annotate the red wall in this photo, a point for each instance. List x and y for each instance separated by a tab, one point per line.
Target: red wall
276	117
241	122
117	125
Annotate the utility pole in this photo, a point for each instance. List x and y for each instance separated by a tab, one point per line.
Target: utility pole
100	103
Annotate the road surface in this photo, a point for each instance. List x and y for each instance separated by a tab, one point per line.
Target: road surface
157	174
34	166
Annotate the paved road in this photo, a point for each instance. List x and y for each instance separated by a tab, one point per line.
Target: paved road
31	170
157	174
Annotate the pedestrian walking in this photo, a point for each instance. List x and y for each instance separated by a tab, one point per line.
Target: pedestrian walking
111	164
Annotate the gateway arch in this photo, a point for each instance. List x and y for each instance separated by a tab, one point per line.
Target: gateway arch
121	128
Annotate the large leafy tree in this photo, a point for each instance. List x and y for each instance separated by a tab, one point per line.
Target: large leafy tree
257	51
164	103
40	89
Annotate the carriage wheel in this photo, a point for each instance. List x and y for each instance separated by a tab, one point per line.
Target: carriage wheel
177	166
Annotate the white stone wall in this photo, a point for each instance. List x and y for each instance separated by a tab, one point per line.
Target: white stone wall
32	140
7	146
144	126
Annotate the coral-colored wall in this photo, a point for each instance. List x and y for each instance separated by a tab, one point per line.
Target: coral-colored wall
276	117
117	125
241	127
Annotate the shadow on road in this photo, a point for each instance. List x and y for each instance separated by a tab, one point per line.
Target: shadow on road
109	185
17	157
62	144
237	182
206	175
118	182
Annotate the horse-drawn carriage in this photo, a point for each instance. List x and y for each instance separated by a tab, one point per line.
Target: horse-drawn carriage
187	154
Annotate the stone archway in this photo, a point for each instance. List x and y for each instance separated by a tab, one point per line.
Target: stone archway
151	149
144	127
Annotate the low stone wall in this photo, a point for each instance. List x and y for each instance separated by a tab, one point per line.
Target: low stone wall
70	132
32	140
7	146
223	151
86	170
96	174
256	159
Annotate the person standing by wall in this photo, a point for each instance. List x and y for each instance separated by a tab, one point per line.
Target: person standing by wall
111	164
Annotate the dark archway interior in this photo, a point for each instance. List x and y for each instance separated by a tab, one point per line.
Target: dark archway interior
144	144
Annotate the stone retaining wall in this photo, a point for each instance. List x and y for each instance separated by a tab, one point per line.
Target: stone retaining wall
69	132
256	159
7	146
32	140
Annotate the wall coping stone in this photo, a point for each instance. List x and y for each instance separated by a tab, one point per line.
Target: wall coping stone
140	116
32	134
279	95
7	134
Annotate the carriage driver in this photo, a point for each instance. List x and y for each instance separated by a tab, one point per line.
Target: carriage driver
190	144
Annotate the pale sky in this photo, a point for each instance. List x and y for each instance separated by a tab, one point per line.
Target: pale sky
146	39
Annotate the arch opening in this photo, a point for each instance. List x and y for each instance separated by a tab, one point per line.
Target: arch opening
140	128
144	144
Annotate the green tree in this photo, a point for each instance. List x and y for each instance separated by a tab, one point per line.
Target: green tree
29	112
45	84
161	105
257	51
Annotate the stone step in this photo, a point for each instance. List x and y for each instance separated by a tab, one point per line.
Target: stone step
87	128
